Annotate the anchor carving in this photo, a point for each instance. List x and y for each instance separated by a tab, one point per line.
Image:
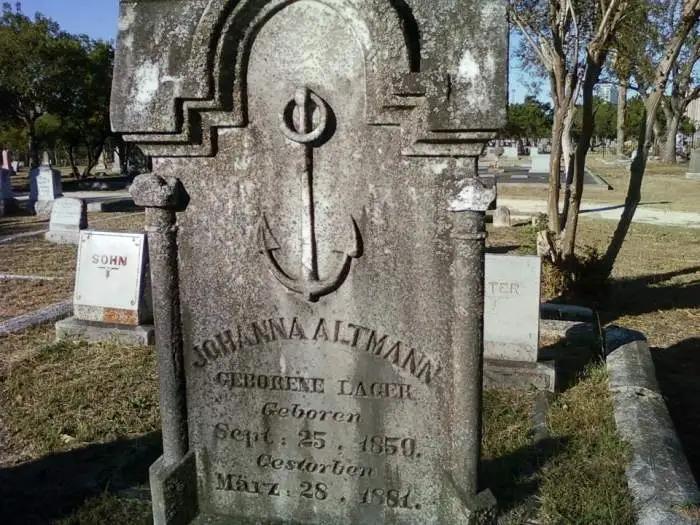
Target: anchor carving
306	120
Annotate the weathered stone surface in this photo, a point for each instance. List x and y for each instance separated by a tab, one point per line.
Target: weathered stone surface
658	476
77	329
44	315
501	218
44	186
539	163
68	218
320	290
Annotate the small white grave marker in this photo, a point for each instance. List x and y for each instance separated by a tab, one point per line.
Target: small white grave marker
68	217
540	163
512	307
111	278
112	298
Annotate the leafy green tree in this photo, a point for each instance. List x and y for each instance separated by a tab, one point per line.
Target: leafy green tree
85	102
530	120
35	58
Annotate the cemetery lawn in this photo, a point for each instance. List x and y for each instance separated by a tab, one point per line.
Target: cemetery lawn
665	186
79	421
34	256
655	290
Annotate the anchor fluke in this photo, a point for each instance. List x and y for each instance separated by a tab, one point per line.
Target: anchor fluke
311	289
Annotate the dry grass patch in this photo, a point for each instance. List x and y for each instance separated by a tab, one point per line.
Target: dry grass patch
20	297
585	482
71	394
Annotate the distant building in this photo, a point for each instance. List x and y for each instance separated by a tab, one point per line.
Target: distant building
606	92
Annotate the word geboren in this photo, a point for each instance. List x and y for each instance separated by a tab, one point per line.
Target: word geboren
257	333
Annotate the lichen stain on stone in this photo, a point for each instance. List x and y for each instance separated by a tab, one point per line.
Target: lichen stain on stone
146	77
469	70
127	18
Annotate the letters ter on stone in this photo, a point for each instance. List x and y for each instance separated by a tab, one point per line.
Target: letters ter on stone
316	239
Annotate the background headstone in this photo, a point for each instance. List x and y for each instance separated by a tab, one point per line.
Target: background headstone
694	166
44	186
501	217
540	163
68	217
510	152
101	164
512	307
112	297
8	204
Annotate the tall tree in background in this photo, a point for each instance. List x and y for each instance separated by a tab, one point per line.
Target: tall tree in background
33	56
84	107
689	13
553	33
684	89
530	120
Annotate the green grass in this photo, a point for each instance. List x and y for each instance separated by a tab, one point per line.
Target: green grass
93	407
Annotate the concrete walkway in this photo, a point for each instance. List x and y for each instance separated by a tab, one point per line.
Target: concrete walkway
644	214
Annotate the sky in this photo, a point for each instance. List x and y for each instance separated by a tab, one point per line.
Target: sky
98	19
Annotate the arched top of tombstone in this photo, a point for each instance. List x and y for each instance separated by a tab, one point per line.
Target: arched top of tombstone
210	58
180	69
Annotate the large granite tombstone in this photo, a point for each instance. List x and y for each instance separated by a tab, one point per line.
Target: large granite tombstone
44	186
112	298
316	238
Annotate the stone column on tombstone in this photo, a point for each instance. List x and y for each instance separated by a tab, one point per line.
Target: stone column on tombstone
44	186
331	290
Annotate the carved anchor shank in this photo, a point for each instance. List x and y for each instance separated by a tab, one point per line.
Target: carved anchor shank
304	132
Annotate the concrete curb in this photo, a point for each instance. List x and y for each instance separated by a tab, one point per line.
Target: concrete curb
45	315
658	476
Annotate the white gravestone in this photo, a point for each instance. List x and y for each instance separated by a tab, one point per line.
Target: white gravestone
44	186
112	298
510	152
68	217
116	164
540	163
512	322
512	307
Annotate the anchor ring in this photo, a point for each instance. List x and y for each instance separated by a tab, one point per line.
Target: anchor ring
301	101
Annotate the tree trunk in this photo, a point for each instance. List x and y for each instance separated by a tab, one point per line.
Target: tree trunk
671	131
32	145
621	111
554	170
71	159
584	141
569	156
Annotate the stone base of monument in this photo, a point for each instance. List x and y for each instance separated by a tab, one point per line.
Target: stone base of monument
174	491
73	328
692	176
63	236
519	374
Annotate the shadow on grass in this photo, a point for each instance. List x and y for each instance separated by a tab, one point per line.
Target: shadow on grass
513	478
678	373
640	295
50	488
503	249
